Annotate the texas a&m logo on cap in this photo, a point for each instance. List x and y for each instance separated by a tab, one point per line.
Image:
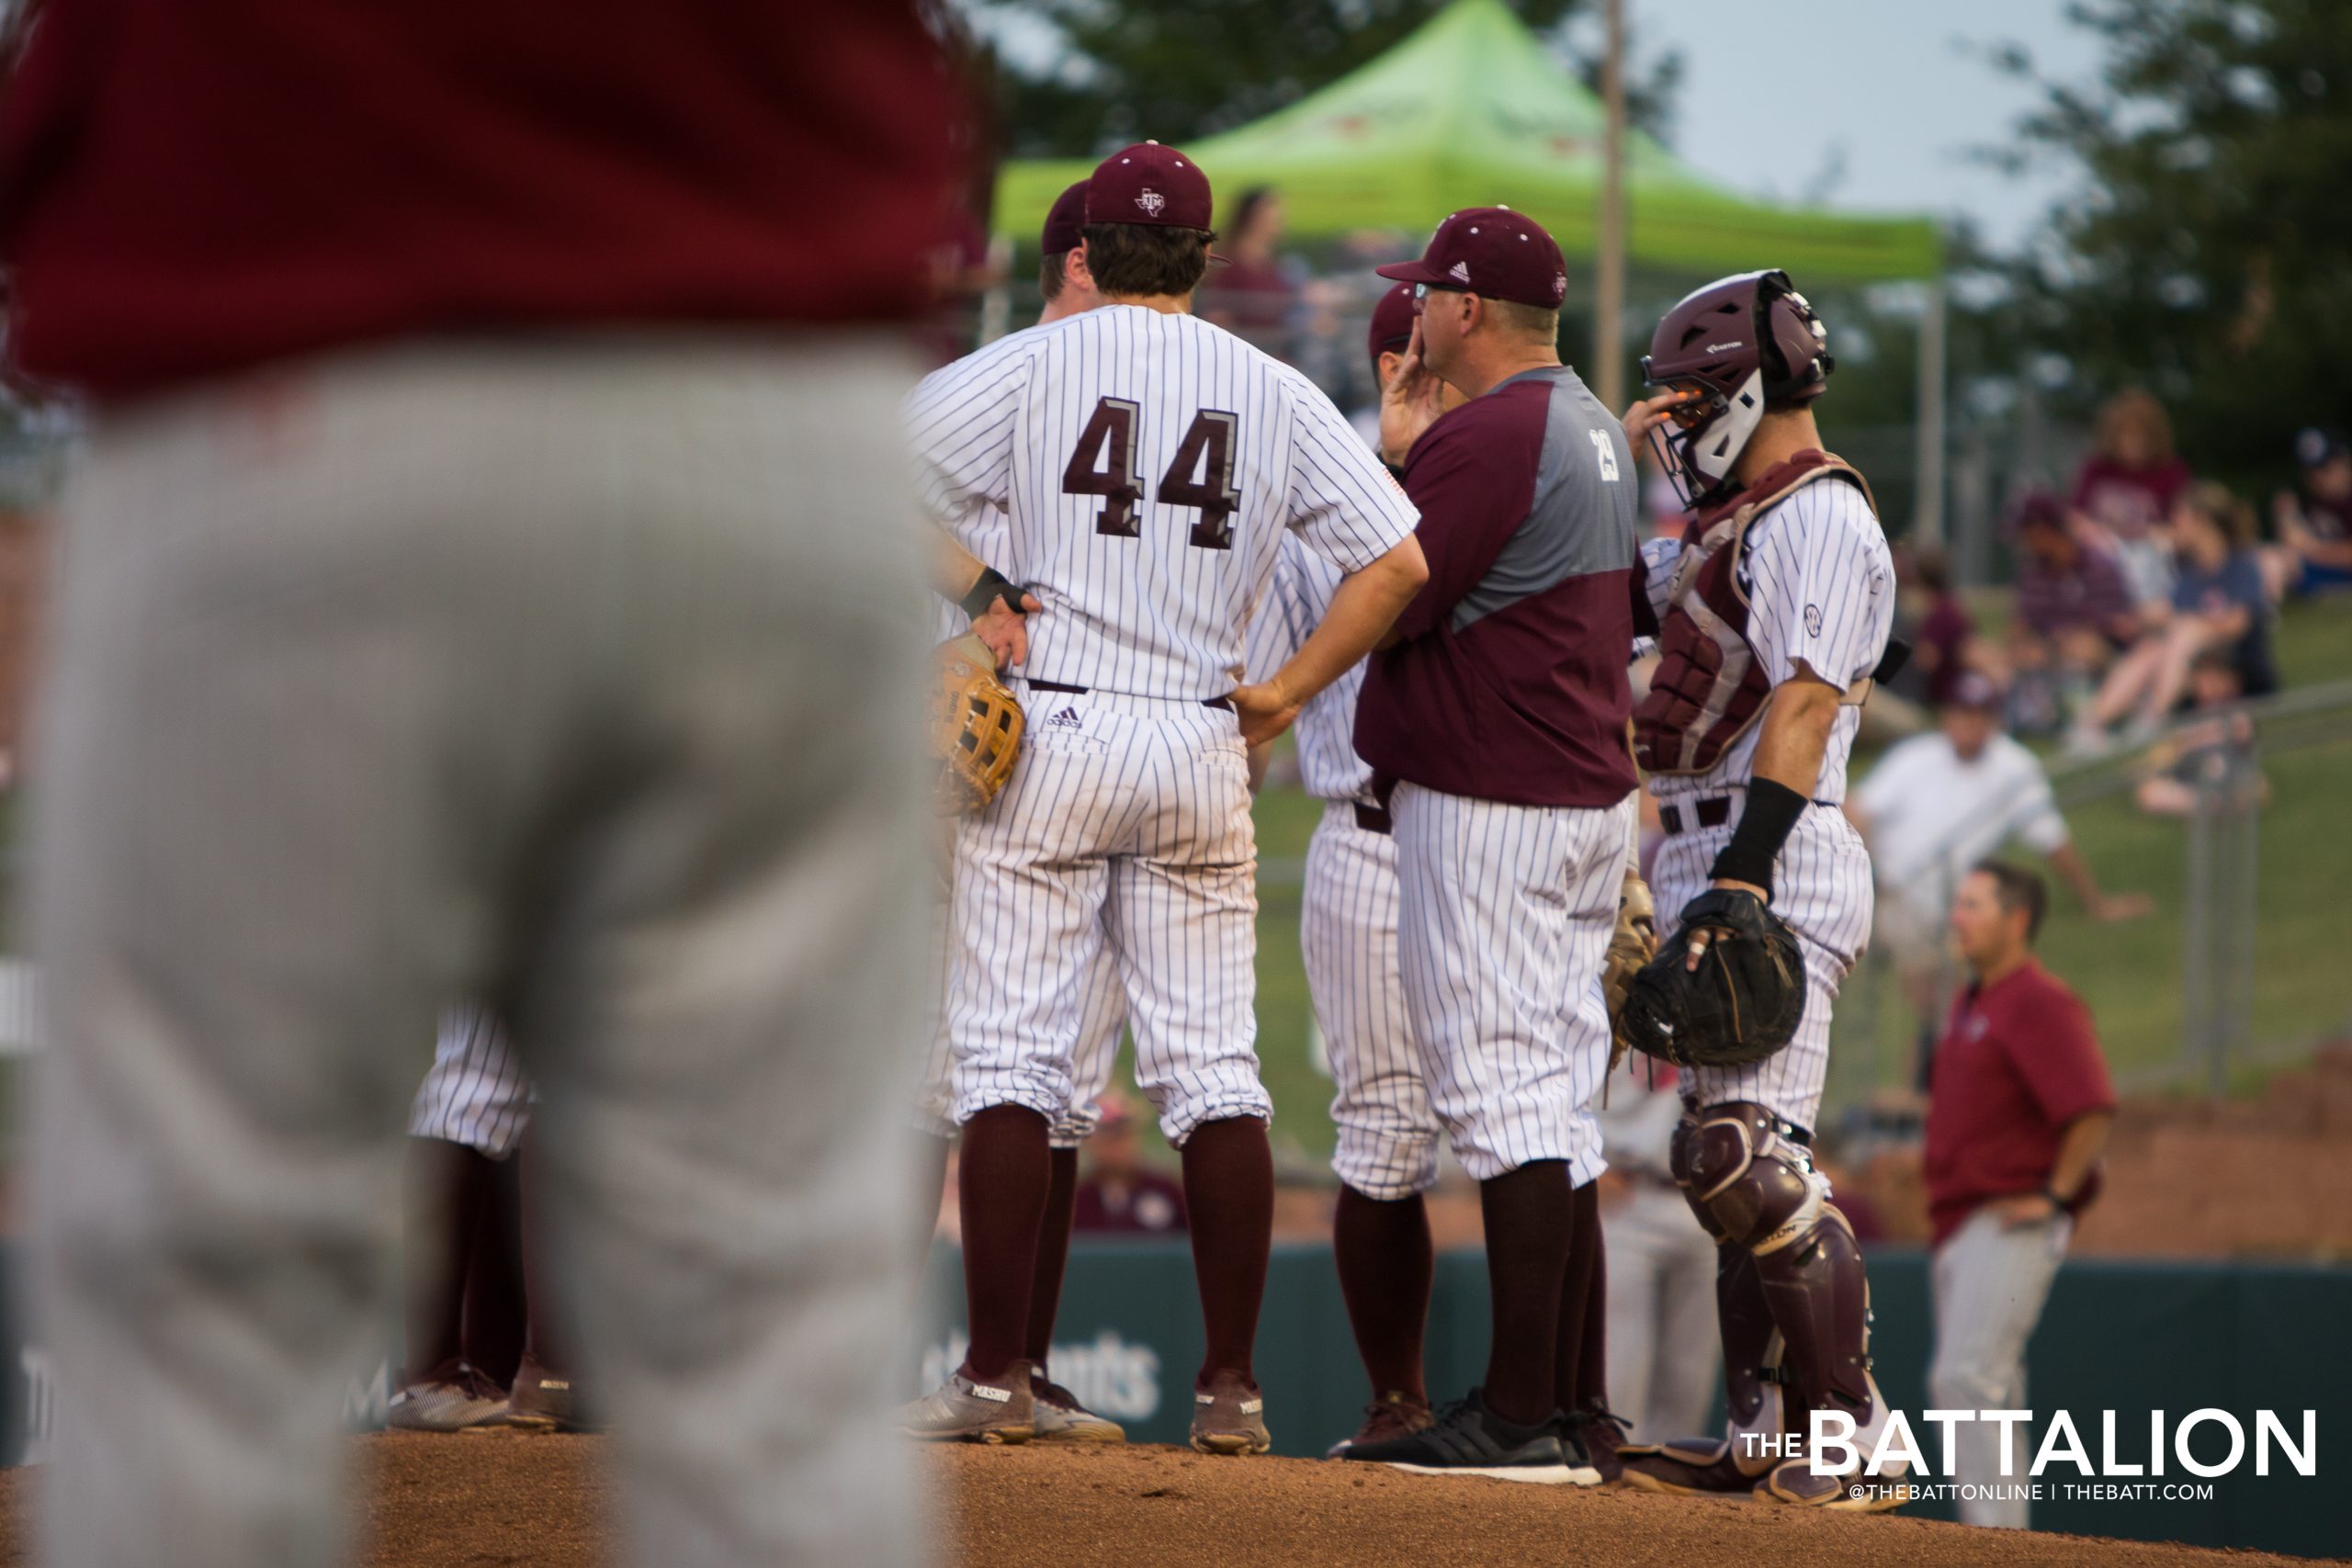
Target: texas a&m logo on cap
1152	202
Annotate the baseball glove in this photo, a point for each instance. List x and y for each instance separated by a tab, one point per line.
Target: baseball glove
1633	944
976	726
1741	1004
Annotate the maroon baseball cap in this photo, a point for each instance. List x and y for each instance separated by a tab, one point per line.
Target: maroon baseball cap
1494	251
1392	323
1066	224
1150	184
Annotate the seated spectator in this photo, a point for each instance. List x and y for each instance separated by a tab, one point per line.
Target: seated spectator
2217	602
2127	487
1119	1194
1931	618
2313	554
2075	614
1937	804
2212	759
1254	295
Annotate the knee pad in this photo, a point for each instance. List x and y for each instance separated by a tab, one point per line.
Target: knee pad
1747	1184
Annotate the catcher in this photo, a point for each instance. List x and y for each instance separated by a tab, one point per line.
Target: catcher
1773	616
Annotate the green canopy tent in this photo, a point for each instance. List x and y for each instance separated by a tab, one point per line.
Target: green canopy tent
1472	108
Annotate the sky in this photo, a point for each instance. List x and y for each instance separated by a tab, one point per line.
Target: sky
1874	102
1890	90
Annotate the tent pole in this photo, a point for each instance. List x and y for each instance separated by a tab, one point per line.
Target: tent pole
1928	512
1609	260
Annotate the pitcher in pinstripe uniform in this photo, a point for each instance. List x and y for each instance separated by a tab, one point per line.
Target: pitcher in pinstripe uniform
1387	1156
1773	616
1147	465
1495	730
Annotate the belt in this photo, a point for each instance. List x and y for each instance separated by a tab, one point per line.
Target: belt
1037	685
1711	812
1372	818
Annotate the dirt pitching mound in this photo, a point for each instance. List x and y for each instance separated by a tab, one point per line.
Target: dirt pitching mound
513	1499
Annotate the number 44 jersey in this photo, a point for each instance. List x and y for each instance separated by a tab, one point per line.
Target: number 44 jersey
1147	465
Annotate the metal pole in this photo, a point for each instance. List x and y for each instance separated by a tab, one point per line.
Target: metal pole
2197	955
1608	259
1928	507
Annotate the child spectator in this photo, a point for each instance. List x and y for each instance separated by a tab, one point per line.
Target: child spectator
2213	757
2217	602
2128	485
2313	554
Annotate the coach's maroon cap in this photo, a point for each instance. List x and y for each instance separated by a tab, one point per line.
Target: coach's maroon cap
1150	184
1066	224
1392	323
1494	251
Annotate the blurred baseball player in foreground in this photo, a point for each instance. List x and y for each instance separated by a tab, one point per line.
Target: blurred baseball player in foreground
1773	614
470	466
1149	463
1495	725
1068	290
1387	1156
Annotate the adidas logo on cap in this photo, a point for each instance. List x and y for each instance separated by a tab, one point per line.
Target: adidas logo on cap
1460	270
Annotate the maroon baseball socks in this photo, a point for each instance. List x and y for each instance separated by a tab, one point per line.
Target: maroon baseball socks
1530	1219
1005	1178
1386	1264
1229	1192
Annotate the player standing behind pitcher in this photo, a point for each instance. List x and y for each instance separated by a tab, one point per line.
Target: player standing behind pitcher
1149	464
1772	614
1068	290
1495	725
1387	1148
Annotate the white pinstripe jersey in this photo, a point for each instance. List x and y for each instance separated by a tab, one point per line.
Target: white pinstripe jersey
1820	586
1327	763
1149	463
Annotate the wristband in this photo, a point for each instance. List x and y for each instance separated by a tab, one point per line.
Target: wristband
1765	824
992	585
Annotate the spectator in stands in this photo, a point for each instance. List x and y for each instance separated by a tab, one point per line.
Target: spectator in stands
1119	1194
2075	614
2126	488
1930	617
2019	1112
1254	295
1662	1345
1937	804
2313	554
2219	601
2212	759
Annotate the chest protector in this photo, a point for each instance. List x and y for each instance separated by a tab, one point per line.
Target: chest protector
1710	684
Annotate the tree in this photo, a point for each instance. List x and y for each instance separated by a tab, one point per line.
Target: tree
2209	255
1180	70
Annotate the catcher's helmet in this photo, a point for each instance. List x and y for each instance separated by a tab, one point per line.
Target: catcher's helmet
1746	342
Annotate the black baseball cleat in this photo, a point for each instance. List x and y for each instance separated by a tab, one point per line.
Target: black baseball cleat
1470	1439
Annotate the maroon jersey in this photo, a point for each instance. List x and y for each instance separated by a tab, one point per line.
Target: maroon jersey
1508	681
2018	1062
187	189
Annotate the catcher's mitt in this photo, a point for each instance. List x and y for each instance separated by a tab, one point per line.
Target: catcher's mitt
1742	1003
1631	945
976	727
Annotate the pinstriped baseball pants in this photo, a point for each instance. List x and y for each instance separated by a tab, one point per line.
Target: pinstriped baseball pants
1102	1023
1127	825
1505	921
475	1092
483	669
1388	1146
1821	887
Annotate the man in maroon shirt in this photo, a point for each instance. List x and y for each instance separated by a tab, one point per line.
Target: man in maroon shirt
1495	724
494	409
2019	1110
